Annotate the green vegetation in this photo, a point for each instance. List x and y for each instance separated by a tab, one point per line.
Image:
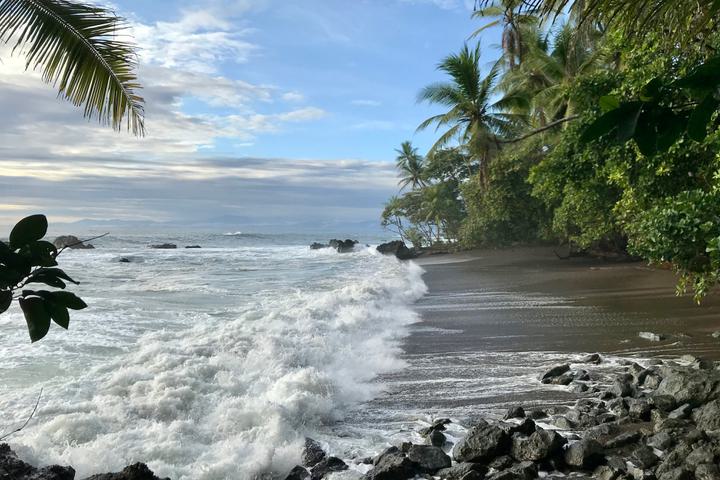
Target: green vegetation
28	259
583	134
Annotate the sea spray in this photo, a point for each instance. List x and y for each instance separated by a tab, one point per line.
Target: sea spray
223	361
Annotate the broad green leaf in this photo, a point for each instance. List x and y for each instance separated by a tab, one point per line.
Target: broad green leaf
700	118
29	229
41	253
609	102
47	279
651	91
630	112
59	314
70	300
602	125
56	272
705	77
9	277
646	134
670	127
6	298
36	316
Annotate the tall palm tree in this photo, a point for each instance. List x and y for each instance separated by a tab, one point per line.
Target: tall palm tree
506	14
472	117
411	166
76	47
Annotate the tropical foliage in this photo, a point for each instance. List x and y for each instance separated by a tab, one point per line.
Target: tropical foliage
27	259
77	49
583	134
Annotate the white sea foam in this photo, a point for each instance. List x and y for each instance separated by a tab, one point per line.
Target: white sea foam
212	370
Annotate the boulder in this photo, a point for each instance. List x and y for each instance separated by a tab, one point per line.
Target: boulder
438	424
342	246
680	473
653	337
699	456
397	248
392	465
459	470
437	438
318	246
521	471
164	246
538	446
554	372
707	417
514	412
707	472
586	454
298	473
593	358
327	465
683	411
138	471
72	242
482	442
193	246
430	459
644	458
312	453
695	387
661	441
12	468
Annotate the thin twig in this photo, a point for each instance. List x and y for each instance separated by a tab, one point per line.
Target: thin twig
80	242
32	414
540	130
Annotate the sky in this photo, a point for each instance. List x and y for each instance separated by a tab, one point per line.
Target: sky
258	113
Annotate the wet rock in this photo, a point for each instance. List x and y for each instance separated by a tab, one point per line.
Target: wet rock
124	260
312	453
639	408
298	473
707	472
164	246
525	427
438	425
716	334
679	473
606	472
666	403
327	465
661	441
653	337
699	456
537	414
342	246
515	412
12	468
586	454
644	457
72	242
564	379
521	471
429	458
138	471
482	442
437	438
459	470
318	246
683	411
538	446
690	386
502	462
193	246
564	423
707	417
397	248
392	465
593	358
621	440
554	372
652	380
622	387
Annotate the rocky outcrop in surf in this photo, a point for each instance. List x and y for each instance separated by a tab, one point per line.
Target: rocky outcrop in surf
397	248
342	246
71	241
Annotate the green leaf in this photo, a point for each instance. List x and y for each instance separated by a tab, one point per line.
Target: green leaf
6	298
70	300
29	229
41	253
628	120
602	125
59	314
609	102
646	135
705	77
36	316
700	118
58	273
50	280
651	91
670	127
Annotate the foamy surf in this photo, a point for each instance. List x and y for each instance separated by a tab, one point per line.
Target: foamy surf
212	365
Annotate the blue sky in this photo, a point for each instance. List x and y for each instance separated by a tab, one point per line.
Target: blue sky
264	109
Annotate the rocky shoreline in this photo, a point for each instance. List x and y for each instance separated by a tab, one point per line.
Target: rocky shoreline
657	421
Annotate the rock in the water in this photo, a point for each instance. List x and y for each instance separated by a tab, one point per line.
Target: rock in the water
586	453
298	473
538	446
164	246
429	458
707	472
318	246
680	473
459	470
653	337
690	386
683	411
139	471
521	471
12	468
554	372
72	242
515	412
392	465
193	246
312	453
437	438
482	442
593	358
342	246
397	248
327	465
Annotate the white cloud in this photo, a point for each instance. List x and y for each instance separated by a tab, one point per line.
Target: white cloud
366	103
293	96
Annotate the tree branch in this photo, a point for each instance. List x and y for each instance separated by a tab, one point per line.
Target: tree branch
32	414
540	130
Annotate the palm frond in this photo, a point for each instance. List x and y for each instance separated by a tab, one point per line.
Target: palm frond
75	47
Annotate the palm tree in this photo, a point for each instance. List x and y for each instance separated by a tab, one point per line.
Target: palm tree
472	118
411	166
76	48
507	15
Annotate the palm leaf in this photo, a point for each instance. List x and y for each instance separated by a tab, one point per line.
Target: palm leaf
74	45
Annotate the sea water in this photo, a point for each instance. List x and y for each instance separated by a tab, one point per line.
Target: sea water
211	363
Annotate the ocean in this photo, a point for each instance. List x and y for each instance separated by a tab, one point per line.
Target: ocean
210	363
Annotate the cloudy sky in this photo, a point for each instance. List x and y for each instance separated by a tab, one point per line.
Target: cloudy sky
257	111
